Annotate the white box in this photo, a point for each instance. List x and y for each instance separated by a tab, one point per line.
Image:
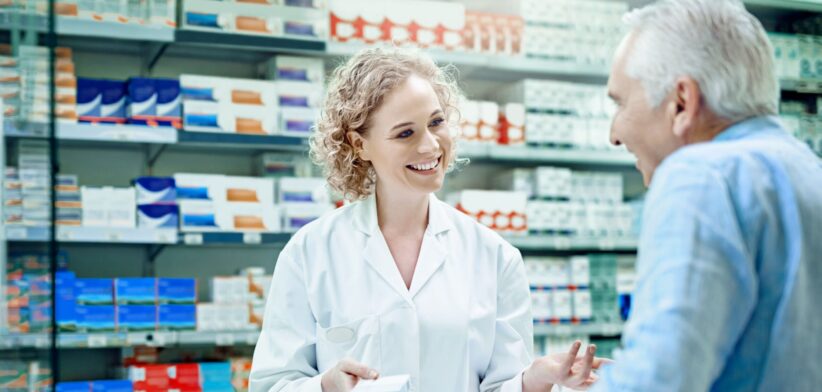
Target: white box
558	270
230	290
298	121
122	207
297	215
302	190
537	270
299	94
562	306
210	187
580	271
249	190
582	305
470	120
489	121
198	216
209	317
249	217
95	206
541	304
306	69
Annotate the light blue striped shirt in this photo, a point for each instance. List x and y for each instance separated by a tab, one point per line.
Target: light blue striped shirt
729	293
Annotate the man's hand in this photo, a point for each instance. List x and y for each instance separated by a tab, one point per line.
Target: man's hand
566	369
345	376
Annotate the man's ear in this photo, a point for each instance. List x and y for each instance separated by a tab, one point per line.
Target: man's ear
686	104
360	145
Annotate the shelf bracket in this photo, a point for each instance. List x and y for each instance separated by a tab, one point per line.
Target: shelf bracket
153	154
154	251
155	52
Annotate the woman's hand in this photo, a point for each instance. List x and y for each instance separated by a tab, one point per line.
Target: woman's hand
345	376
566	369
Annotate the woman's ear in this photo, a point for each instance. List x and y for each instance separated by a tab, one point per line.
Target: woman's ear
359	143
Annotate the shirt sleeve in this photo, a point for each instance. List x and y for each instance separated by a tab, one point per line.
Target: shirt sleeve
285	355
514	333
696	286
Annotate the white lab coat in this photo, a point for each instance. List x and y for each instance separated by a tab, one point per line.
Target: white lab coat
464	325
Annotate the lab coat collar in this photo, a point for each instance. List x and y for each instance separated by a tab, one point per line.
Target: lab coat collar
365	216
433	251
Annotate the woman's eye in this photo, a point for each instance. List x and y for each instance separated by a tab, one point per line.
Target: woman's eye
406	133
437	123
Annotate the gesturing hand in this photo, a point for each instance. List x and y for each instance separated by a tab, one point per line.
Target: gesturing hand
566	369
345	376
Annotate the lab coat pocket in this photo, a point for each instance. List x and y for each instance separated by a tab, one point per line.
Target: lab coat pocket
358	340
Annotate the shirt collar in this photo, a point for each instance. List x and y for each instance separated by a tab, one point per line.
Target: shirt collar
365	216
749	126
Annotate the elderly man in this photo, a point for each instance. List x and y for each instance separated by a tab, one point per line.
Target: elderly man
729	296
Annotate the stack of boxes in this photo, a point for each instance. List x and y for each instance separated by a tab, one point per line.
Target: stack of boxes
562	114
585	32
580	289
238	302
797	56
224	203
95	386
25	84
108	207
156	202
302	200
68	202
32	205
204	377
570	203
427	24
266	18
140	101
240	373
224	105
807	128
503	211
25	376
28	292
157	13
125	304
489	122
300	87
493	33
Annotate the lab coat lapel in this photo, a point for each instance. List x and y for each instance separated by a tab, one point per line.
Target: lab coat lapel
433	251
376	252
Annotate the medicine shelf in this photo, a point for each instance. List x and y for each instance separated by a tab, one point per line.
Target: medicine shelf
230	338
131	339
570	330
259	43
86	132
566	243
234	140
72	26
537	155
96	235
244	238
802	86
793	5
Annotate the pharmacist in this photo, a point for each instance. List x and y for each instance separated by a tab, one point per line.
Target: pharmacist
399	283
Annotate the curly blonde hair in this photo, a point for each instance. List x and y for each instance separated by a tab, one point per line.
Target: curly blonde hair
357	89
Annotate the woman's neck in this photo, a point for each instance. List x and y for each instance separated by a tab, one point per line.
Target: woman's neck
401	213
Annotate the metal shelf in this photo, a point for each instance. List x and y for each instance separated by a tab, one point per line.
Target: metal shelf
72	26
27	234
802	86
794	5
565	243
529	154
565	330
234	140
201	36
130	339
246	238
496	67
116	235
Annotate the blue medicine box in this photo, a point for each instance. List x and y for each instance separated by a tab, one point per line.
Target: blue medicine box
100	100
177	290
177	317
135	291
74	386
157	99
136	318
155	190
96	318
65	301
94	291
112	386
215	376
158	216
89	99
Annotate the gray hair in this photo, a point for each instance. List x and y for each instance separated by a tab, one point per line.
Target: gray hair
716	42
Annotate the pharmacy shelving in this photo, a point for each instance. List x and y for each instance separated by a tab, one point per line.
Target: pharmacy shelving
231	338
540	155
802	86
790	5
92	235
562	330
131	339
569	243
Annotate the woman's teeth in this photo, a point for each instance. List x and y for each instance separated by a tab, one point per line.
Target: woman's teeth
425	166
